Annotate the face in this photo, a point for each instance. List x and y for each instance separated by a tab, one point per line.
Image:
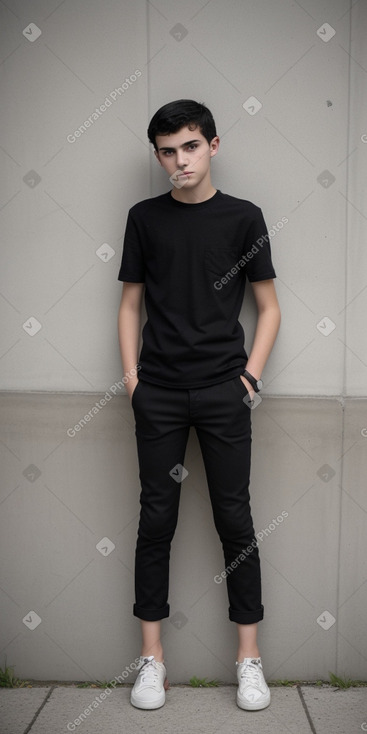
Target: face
188	153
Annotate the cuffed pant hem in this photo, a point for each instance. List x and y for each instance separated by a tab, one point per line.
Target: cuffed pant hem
246	617
151	615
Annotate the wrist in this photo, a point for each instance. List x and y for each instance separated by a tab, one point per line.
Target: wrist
256	383
247	385
131	385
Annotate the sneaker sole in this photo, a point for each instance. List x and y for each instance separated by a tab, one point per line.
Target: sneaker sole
256	706
148	704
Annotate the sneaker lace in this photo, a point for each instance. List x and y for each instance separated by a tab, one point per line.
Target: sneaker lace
149	671
251	673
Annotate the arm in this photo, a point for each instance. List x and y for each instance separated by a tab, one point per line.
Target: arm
267	327
129	329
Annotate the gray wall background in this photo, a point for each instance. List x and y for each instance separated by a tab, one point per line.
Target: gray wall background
69	503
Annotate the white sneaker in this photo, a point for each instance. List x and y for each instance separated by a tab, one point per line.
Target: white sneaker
148	691
253	693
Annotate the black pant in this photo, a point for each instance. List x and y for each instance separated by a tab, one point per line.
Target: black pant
163	416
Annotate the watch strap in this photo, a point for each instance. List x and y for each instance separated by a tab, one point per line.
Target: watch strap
252	380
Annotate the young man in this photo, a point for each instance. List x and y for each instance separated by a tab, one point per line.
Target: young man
191	249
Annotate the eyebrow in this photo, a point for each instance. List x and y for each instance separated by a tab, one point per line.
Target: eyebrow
181	146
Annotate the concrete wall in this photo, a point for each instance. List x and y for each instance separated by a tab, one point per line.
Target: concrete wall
63	207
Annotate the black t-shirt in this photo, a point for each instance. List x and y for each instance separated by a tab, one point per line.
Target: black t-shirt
194	259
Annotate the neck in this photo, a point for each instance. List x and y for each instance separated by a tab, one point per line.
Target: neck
205	190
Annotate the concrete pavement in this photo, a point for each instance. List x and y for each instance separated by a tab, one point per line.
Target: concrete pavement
57	709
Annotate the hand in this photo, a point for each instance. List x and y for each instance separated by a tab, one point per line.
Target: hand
131	385
248	386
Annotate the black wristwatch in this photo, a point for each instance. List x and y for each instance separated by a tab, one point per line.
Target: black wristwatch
256	384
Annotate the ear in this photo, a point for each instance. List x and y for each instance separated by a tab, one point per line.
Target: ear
214	145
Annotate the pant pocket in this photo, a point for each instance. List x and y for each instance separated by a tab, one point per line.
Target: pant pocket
240	386
134	393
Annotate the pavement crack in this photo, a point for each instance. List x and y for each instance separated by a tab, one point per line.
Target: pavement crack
308	715
35	717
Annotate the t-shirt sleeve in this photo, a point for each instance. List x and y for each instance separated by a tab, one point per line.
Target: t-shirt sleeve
257	251
132	267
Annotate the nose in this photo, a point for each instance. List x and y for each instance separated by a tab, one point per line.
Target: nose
181	159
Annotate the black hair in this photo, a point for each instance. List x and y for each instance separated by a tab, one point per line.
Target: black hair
181	113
